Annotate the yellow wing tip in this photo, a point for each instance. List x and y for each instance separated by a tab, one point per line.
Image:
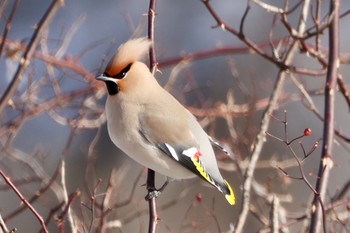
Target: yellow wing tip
231	196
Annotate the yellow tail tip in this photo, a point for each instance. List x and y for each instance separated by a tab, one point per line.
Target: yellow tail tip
230	197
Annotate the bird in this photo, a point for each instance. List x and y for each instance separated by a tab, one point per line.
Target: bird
151	126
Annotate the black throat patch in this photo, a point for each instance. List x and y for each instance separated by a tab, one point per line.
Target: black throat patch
112	88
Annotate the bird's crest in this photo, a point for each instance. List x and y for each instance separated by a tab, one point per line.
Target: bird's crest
127	53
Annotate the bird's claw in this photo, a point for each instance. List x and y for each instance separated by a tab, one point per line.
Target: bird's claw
152	194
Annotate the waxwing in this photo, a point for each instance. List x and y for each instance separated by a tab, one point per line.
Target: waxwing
151	126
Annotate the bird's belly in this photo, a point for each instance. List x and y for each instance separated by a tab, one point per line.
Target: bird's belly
151	157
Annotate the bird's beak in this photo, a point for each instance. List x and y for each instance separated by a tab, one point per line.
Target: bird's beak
105	78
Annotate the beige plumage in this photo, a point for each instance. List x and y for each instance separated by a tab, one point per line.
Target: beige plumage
151	126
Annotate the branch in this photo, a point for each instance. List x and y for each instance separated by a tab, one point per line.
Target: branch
35	197
241	36
8	25
153	67
326	162
344	89
25	201
261	136
151	18
275	206
26	58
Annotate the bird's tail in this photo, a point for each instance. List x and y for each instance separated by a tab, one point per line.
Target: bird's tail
229	194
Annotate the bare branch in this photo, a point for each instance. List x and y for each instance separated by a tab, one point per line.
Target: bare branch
24	200
153	68
274	219
318	218
26	59
8	25
344	89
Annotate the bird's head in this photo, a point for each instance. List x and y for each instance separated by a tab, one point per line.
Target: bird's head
124	71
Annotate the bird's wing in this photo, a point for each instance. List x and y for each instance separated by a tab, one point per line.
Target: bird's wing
171	134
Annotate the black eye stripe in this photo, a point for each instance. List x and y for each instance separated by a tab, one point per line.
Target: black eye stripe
122	73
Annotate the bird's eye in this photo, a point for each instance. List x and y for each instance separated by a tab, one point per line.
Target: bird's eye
122	73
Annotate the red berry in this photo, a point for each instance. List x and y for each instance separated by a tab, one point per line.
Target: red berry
307	132
199	197
348	206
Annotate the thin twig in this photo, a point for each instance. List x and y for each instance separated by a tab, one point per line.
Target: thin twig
3	225
241	25
20	182
342	192
65	153
317	23
151	26
312	106
24	200
35	197
275	206
344	89
8	25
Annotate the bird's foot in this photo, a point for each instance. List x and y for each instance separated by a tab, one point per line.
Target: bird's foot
154	193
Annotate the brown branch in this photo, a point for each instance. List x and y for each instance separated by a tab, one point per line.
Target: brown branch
105	209
261	136
344	14
312	106
153	67
128	200
152	207
307	132
220	23
317	24
205	54
259	142
71	63
21	182
344	90
3	226
24	200
274	217
52	213
256	48
26	58
57	101
151	25
36	196
8	25
318	219
65	211
245	14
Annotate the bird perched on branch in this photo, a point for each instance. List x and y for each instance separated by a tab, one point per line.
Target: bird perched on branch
151	126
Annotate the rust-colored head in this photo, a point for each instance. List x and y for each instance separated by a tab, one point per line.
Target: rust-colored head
127	53
125	62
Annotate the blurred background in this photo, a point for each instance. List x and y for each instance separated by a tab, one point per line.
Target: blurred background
56	149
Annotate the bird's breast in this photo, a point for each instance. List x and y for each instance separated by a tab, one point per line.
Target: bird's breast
121	120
